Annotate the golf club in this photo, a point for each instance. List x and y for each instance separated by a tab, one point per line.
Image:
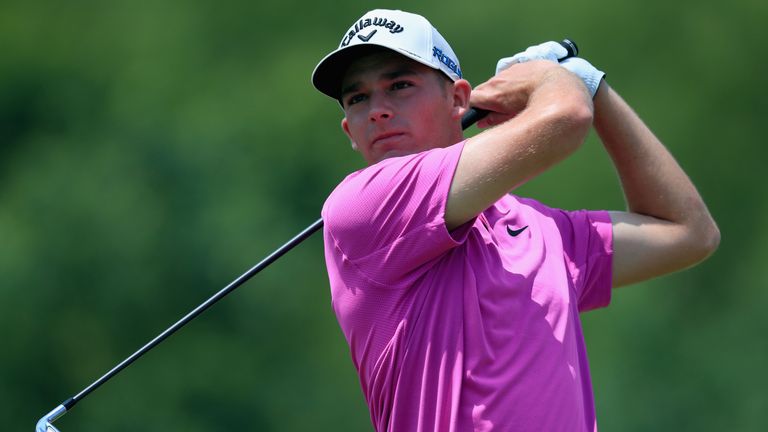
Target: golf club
45	423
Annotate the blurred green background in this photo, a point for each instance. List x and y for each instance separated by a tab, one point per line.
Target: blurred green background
150	152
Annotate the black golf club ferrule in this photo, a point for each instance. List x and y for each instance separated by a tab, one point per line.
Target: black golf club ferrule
45	423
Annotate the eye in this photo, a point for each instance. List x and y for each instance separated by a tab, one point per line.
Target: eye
355	98
399	85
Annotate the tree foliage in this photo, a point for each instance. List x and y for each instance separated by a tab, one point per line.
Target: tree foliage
150	152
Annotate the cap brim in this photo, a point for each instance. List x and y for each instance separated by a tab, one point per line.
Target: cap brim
329	73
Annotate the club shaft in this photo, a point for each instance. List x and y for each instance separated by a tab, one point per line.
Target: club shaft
198	310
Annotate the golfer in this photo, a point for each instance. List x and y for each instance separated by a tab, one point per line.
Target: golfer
460	302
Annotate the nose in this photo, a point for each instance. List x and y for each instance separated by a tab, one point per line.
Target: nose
380	108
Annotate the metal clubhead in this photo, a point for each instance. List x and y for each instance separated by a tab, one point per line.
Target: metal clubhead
44	424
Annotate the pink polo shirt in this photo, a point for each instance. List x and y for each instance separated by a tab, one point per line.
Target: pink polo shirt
476	329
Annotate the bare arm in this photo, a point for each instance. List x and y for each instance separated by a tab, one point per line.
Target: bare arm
667	226
543	113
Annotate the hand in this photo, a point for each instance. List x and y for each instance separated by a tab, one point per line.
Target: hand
551	51
508	93
590	75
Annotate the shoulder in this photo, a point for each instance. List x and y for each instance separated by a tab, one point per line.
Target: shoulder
398	182
378	206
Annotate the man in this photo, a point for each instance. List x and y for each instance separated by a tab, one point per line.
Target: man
460	302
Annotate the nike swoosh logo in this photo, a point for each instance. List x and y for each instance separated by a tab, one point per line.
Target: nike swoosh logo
515	233
366	38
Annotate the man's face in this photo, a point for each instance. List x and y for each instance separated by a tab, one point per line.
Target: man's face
395	106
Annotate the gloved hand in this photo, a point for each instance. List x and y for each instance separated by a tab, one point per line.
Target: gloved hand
552	51
589	74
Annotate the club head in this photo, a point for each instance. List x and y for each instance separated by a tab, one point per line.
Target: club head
44	424
47	427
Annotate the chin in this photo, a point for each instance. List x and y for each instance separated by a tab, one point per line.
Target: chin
395	153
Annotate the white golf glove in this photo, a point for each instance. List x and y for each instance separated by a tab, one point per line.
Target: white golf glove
589	74
552	51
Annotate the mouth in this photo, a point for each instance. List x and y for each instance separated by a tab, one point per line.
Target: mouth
387	138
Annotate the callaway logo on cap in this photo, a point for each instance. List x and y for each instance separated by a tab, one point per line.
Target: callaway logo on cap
408	34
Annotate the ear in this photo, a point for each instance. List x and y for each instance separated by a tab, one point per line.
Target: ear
345	128
461	91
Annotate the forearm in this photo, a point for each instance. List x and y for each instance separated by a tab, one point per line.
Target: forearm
540	118
552	125
654	184
678	229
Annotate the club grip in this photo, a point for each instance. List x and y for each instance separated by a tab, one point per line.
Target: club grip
473	115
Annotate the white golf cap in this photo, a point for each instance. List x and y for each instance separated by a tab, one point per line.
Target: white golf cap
408	34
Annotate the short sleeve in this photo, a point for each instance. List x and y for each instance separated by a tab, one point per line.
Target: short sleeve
587	243
388	220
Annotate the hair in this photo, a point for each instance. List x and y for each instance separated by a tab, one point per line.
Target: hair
443	81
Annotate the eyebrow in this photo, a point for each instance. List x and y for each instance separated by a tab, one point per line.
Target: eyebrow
395	74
